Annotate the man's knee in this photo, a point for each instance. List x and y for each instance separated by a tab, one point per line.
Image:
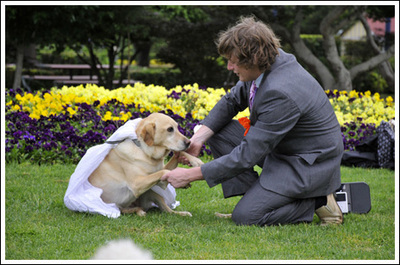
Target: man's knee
245	218
241	216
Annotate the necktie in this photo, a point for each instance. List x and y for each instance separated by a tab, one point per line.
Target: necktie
253	90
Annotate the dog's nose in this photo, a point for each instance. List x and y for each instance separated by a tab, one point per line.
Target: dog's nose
187	143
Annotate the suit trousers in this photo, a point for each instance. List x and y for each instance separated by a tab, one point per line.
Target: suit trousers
258	206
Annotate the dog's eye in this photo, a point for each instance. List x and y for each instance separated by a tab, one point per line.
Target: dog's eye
170	129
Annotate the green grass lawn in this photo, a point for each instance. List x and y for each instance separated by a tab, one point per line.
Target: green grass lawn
38	226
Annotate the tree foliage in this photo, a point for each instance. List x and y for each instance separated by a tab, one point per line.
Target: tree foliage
190	41
93	27
329	20
112	28
189	34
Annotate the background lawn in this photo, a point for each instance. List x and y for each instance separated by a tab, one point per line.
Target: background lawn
38	226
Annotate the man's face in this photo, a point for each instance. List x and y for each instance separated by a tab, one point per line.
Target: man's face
244	73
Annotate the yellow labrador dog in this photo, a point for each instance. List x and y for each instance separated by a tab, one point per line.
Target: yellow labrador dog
128	172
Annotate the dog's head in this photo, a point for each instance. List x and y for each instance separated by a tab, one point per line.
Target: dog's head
162	131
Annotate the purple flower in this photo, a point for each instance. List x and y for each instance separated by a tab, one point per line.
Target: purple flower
84	106
174	95
72	136
47	146
11	126
188	116
109	129
17	135
28	148
29	139
11	92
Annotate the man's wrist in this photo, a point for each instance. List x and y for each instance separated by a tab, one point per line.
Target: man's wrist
202	135
195	174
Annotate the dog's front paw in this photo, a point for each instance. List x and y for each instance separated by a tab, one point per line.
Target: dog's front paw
195	162
163	184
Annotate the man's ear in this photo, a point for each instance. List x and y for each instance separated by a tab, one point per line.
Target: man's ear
147	133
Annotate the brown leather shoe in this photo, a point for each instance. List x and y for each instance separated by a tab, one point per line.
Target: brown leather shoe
330	213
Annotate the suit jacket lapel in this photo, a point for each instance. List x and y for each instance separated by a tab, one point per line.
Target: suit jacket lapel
257	98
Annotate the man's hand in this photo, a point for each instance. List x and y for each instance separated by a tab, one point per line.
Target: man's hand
177	178
196	143
181	177
194	150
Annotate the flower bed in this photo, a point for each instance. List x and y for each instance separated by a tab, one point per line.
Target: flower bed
359	114
61	124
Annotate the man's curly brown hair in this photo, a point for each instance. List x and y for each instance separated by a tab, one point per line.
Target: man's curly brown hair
252	42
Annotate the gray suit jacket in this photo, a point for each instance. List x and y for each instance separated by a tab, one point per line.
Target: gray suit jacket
294	131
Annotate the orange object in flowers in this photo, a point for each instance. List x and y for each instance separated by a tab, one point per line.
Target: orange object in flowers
245	122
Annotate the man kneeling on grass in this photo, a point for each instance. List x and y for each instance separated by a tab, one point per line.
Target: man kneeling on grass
294	136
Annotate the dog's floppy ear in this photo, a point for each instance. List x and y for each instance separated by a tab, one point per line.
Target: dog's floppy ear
147	133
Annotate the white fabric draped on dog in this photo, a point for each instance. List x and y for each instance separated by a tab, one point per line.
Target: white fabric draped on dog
82	196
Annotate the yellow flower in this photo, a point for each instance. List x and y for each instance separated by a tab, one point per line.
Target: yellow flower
389	101
192	99
71	111
34	116
377	97
107	116
353	94
16	107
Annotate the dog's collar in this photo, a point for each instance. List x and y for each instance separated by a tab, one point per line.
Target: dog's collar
136	141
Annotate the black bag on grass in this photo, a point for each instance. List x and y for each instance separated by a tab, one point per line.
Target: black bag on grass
376	151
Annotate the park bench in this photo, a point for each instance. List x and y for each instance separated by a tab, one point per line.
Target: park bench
72	78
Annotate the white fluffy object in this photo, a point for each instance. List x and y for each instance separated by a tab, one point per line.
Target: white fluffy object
122	249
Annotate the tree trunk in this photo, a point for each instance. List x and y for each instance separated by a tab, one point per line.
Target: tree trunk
19	66
94	61
30	54
143	50
110	73
315	65
343	77
372	62
305	54
385	67
386	71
